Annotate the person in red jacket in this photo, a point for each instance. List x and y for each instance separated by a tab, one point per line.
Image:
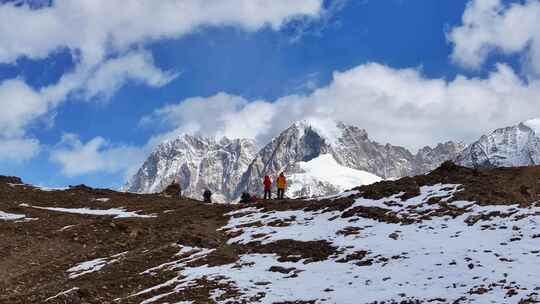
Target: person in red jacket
267	187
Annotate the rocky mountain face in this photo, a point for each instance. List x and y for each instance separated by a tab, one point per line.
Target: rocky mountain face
350	146
428	158
512	146
230	167
198	163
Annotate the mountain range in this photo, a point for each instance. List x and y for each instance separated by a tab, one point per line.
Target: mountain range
304	151
319	160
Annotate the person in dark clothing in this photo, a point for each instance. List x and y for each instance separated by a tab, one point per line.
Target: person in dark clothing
267	187
207	196
245	198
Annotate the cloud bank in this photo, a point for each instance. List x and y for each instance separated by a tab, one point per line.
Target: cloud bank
102	45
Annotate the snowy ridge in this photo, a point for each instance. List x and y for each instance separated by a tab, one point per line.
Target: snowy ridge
432	258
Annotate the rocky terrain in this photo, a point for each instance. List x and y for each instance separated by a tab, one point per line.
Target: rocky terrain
455	235
230	167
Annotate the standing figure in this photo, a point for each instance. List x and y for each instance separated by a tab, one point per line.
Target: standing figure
267	187
207	196
281	185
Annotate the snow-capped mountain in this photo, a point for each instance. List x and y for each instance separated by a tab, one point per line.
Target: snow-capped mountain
349	147
198	163
318	159
512	146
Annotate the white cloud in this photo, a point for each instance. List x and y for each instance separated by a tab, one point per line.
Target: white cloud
18	149
23	105
100	34
113	74
397	106
98	27
97	155
489	25
20	105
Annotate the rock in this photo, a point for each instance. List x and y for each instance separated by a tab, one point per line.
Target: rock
10	180
394	235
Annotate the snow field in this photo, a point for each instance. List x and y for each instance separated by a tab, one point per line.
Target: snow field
493	261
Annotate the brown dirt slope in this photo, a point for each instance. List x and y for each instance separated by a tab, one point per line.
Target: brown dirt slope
37	252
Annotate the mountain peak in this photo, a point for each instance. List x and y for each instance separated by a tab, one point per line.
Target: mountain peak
328	129
512	146
533	124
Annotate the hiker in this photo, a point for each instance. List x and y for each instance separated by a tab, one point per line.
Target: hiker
281	185
207	196
267	187
253	199
245	198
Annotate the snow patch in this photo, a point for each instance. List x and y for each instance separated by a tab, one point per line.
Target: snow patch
116	212
49	189
63	293
4	216
325	169
93	265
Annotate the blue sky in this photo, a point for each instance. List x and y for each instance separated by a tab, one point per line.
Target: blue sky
278	62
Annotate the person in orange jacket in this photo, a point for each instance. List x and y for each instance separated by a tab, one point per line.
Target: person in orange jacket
281	185
267	187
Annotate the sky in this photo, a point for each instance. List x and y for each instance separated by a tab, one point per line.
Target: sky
89	88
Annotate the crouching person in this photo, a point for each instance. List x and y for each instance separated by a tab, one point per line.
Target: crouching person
245	198
207	196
